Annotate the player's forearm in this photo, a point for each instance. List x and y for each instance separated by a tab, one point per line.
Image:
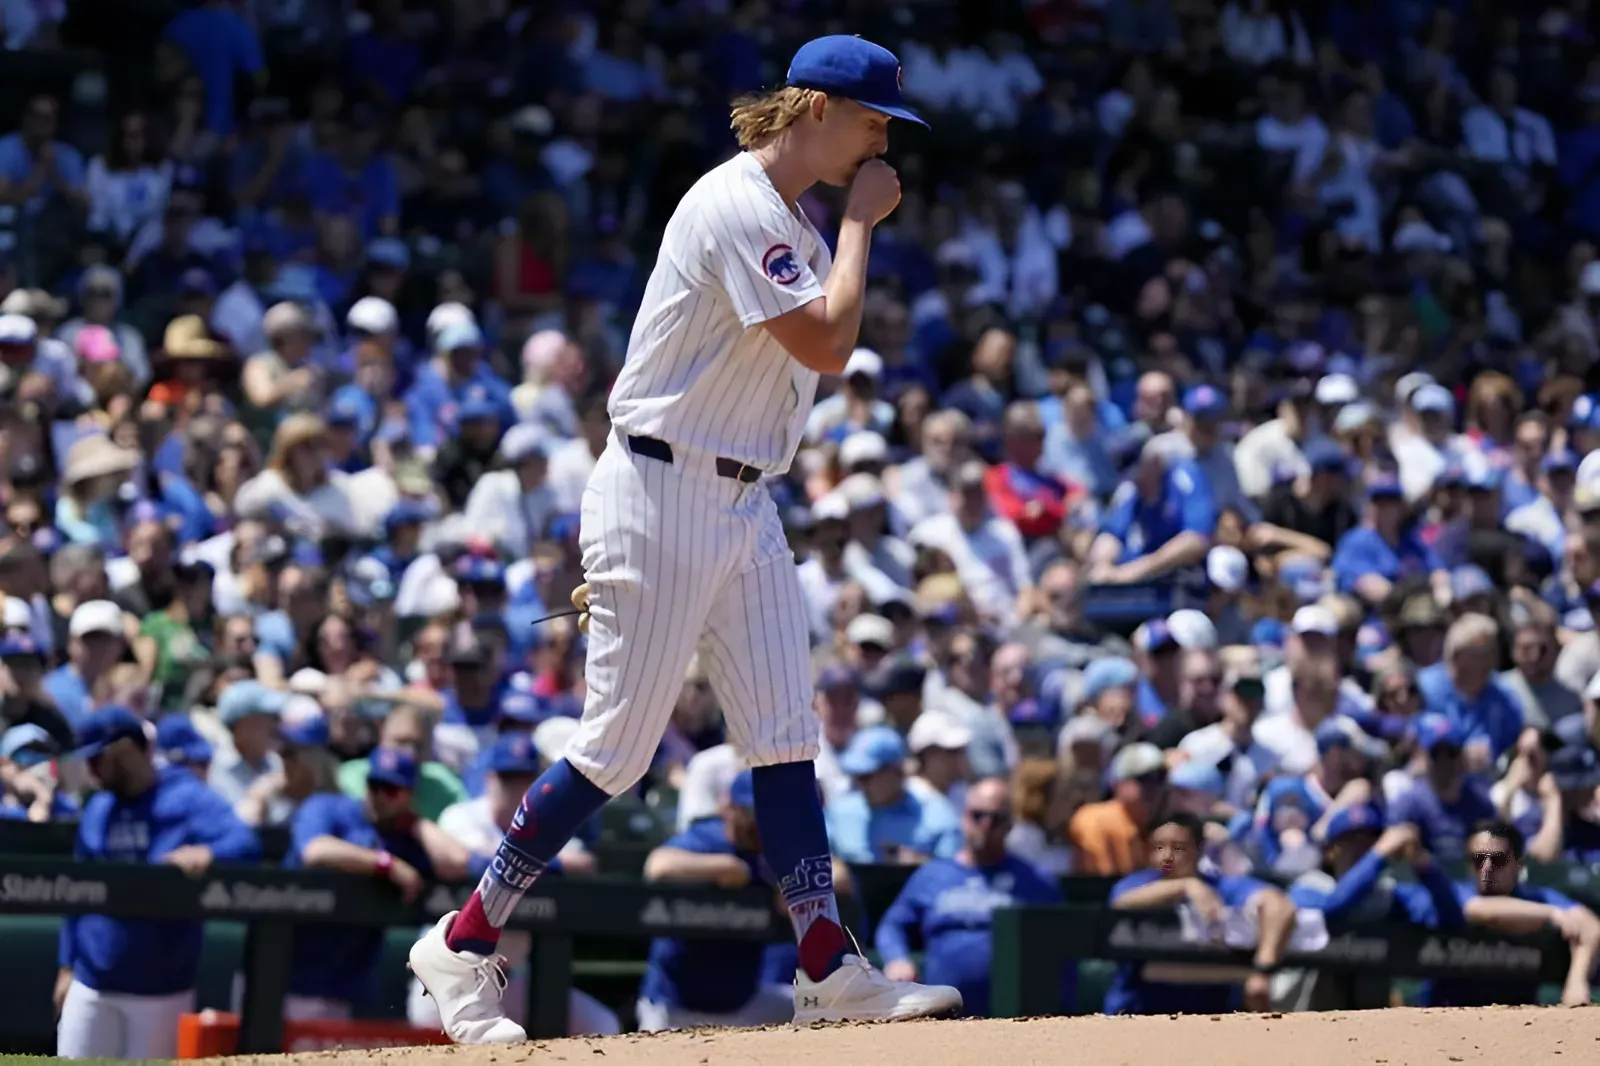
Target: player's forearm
671	864
331	853
1277	918
1505	914
845	291
1157	894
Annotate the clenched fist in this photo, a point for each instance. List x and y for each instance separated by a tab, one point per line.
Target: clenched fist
874	193
580	600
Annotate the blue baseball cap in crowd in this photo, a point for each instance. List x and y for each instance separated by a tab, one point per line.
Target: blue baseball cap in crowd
1323	456
243	698
524	708
1269	633
1363	817
855	68
1432	730
1154	636
18	646
1197	776
872	749
1342	732
458	335
389	252
476	404
1481	477
1372	638
104	728
514	754
180	742
476	570
742	790
1559	460
1205	402
1306	577
27	745
406	513
392	766
1585	412
343	413
1384	487
302	724
1469	581
898	676
1102	675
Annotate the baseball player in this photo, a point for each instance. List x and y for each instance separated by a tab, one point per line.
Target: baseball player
123	982
683	550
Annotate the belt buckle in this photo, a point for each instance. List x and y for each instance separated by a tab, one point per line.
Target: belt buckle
750	481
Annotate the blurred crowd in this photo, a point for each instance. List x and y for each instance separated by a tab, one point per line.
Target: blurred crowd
1218	442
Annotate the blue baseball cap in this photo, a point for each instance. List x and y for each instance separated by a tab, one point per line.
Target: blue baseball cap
1268	632
476	570
458	335
477	403
1101	675
872	749
27	745
392	766
1469	581
406	513
855	68
104	728
1204	401
742	790
1384	487
1323	456
244	698
1153	636
181	742
1559	460
524	708
1372	638
1432	730
1342	732
514	753
302	724
1481	477
1197	776
1363	817
343	412
18	645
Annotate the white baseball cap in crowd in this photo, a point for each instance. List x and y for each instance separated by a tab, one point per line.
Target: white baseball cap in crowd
1192	629
1589	280
1589	470
861	491
831	506
1227	568
1315	619
372	314
1433	398
937	729
1086	729
1137	760
551	736
17	614
706	778
1409	384
863	446
1336	389
870	629
307	681
17	329
864	361
447	314
96	616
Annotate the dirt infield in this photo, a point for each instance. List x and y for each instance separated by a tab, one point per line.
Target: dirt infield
1401	1037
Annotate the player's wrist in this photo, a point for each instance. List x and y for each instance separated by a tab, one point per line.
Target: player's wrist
383	865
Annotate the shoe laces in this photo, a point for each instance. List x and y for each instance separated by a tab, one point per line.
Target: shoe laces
492	970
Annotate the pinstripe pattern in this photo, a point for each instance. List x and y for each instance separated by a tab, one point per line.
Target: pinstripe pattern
697	374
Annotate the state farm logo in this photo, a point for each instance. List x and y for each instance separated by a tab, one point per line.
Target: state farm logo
19	888
281	899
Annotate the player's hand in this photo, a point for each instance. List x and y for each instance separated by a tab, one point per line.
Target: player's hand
900	970
874	193
193	859
580	600
1547	789
1398	840
405	877
63	982
1258	993
736	875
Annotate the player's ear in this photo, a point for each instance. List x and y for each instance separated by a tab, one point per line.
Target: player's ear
819	105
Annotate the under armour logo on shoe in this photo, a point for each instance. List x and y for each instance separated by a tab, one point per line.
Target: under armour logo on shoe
810	1002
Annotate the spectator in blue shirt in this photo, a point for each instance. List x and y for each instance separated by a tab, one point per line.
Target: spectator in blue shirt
1497	898
354	179
96	642
1442	802
383	63
221	46
948	905
1384	549
1175	881
144	969
880	820
455	378
35	168
1352	885
1467	691
704	981
379	836
1159	520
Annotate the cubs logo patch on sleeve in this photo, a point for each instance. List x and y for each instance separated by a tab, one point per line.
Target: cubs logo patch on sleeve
781	264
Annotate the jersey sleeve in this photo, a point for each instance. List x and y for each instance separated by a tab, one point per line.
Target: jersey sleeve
752	247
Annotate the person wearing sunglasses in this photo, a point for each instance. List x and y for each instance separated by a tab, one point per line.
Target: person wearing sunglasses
1497	898
951	904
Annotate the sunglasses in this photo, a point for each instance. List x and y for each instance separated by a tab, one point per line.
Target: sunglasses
1496	859
384	788
988	817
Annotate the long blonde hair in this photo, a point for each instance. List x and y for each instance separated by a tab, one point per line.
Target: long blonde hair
760	117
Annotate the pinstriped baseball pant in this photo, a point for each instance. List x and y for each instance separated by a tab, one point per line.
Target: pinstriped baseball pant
679	561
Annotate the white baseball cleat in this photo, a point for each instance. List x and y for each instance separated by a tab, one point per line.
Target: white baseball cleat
465	987
855	992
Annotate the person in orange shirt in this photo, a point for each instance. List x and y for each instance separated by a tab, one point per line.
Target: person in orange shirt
1109	838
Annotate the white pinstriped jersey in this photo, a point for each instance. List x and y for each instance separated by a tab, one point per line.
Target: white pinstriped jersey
698	372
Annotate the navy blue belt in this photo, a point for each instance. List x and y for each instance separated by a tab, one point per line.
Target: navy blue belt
652	448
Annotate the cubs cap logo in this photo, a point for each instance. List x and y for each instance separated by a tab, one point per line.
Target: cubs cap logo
781	264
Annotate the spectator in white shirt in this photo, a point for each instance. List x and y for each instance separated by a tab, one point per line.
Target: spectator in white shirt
920	487
1288	128
1499	131
100	295
987	550
514	505
1015	256
572	461
1258	32
857	406
128	185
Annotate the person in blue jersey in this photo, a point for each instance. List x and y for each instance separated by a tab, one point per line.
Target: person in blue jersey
1465	689
1385	550
713	982
1443	802
1293	812
880	819
124	982
377	836
1174	880
1352	882
28	777
1159	521
950	905
179	743
1497	898
455	377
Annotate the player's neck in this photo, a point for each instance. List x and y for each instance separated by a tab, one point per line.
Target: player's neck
785	168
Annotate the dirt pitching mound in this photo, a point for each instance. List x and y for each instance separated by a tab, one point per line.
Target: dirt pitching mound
1529	1036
